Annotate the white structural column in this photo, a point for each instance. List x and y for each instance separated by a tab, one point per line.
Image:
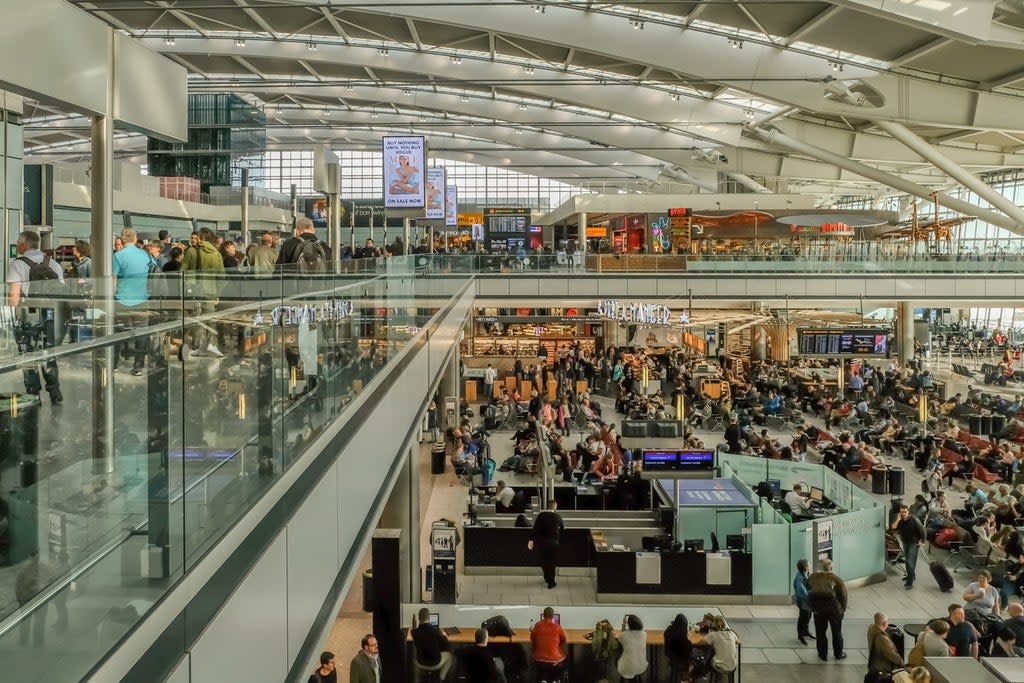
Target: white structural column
774	136
906	330
101	176
406	226
749	183
335	236
581	233
935	156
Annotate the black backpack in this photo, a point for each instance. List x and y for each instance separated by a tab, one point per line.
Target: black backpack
310	256
39	271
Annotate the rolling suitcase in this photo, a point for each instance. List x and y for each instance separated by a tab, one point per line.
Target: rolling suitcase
942	576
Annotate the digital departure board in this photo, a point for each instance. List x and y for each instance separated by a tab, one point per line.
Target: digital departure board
668	461
842	342
506	228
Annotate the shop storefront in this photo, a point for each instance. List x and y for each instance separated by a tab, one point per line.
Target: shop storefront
500	335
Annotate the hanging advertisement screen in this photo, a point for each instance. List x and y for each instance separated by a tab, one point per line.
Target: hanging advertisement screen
435	193
451	206
404	164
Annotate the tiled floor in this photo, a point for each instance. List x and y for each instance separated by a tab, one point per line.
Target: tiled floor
771	652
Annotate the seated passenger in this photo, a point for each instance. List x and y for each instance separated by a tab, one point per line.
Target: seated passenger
799	506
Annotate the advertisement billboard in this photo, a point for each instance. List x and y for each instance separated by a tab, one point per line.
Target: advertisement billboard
404	163
435	193
451	206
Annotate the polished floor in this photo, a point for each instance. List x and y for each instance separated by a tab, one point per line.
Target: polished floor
771	652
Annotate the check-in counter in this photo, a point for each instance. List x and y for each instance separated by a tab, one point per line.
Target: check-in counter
502	547
667	574
960	669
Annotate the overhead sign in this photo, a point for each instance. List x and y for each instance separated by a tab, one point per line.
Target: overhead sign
332	309
468	219
840	342
836	229
678	213
597	232
435	193
404	162
451	206
639	314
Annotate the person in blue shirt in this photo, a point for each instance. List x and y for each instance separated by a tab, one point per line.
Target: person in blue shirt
130	267
772	404
802	602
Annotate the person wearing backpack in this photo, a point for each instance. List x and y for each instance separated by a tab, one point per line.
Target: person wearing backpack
303	253
32	265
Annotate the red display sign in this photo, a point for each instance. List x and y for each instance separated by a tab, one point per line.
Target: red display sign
678	213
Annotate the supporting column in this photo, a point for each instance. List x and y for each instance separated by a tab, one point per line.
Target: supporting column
102	243
244	214
780	139
905	324
386	551
450	389
403	512
779	337
759	343
406	226
952	169
581	235
335	236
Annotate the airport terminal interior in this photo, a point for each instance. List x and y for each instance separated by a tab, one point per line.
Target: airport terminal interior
508	341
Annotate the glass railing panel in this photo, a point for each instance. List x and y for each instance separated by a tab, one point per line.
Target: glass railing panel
160	444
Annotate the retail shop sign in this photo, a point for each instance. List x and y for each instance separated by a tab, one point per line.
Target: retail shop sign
639	314
324	311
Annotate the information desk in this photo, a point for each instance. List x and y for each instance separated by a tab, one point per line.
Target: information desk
577	622
506	547
681	573
707	493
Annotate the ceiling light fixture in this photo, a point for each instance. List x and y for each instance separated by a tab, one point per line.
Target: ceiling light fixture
736	43
674	96
239	42
749	113
326	112
464	98
407	92
373	114
350	87
169	40
519	131
383	52
836	66
539	9
636	24
528	69
311	46
455	59
522	106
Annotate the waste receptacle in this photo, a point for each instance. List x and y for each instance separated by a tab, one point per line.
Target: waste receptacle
897	480
437	459
879	480
368	597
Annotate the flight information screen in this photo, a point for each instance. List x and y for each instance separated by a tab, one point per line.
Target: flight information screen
842	342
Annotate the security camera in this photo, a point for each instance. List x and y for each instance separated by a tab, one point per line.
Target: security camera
724	159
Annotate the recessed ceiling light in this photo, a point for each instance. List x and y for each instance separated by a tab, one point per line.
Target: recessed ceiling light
311	47
239	42
169	40
383	52
522	105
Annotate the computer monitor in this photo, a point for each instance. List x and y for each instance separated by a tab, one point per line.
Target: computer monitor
775	486
735	542
816	494
435	619
693	545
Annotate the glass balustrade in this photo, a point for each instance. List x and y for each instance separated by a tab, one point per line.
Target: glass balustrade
136	429
865	260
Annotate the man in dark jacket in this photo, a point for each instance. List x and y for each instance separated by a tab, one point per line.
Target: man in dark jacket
365	666
547	532
912	535
304	231
478	662
733	434
432	650
827	595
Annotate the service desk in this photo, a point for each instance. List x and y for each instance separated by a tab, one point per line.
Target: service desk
506	547
680	573
1010	670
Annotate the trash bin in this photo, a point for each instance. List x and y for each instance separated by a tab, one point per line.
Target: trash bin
437	459
998	425
897	481
879	480
368	597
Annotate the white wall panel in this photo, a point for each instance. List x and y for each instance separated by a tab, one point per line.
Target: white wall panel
151	91
181	673
313	559
247	640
